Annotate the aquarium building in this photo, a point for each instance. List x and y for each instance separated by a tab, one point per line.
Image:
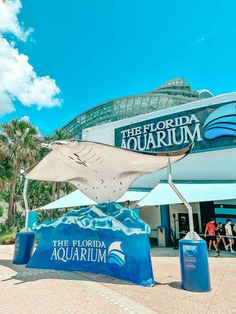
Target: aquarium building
169	118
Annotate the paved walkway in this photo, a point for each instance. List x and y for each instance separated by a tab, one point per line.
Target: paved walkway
26	291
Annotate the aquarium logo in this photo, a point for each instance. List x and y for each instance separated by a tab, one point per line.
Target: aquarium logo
116	254
221	122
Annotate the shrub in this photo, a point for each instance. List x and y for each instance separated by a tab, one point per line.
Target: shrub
18	220
1	211
7	236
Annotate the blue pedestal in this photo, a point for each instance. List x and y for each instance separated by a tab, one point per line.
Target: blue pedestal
33	217
23	247
194	265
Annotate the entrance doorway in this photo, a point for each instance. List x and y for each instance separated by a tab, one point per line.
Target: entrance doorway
184	223
207	211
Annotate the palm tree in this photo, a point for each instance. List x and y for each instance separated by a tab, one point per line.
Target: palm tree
61	135
3	168
19	141
5	173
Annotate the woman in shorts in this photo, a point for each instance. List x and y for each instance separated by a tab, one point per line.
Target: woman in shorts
220	232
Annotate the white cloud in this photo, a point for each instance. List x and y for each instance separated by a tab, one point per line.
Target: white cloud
41	90
197	41
9	23
25	118
6	105
18	80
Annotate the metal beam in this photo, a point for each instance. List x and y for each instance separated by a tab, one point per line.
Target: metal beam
26	205
182	198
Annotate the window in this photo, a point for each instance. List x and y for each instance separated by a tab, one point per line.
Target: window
163	102
130	105
137	104
154	103
144	104
123	106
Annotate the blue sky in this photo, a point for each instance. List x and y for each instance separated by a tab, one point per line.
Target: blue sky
97	50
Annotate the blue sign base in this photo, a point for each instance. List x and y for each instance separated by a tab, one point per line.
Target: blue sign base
106	239
194	265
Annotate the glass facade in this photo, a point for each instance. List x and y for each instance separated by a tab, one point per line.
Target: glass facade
173	93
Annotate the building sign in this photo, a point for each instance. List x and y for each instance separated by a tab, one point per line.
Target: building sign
106	239
209	128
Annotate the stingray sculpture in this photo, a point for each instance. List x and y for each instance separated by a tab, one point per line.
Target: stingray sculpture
102	172
104	238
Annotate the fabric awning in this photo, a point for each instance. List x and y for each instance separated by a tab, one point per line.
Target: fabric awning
102	172
78	199
162	194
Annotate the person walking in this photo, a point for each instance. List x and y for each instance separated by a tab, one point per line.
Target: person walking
229	235
211	232
234	229
220	235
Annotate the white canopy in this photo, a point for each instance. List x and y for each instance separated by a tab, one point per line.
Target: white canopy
102	172
77	199
162	194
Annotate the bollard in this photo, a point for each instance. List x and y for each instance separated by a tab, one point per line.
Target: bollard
194	265
23	247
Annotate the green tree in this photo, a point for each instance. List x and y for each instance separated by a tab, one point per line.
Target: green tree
6	171
19	142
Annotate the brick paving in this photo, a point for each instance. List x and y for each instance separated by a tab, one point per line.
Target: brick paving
26	291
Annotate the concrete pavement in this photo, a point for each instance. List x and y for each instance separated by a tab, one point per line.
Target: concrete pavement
26	291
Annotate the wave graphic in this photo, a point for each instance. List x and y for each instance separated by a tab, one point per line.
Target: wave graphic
104	216
116	254
221	122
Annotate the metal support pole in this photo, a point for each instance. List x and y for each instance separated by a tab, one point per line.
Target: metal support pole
26	204
186	203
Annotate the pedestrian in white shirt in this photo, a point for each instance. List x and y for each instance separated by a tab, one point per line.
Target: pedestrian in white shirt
234	228
229	235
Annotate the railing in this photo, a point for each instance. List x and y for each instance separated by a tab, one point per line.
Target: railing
208	235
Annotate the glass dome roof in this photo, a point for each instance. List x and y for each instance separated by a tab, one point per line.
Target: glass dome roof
173	93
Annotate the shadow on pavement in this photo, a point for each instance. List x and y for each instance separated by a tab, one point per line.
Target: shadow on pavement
175	285
24	274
